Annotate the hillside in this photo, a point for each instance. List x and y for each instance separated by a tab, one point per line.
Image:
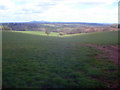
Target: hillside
41	61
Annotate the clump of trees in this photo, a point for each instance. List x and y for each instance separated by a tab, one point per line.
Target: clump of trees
5	28
47	32
61	33
114	26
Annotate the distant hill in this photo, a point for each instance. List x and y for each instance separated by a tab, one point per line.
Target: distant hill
85	23
48	22
38	22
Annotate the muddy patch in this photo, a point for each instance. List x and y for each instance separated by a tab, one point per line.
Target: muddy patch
110	52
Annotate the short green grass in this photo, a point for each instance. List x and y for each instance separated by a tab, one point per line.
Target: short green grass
106	37
38	33
38	61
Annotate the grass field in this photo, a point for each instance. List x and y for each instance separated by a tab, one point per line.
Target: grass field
38	33
35	60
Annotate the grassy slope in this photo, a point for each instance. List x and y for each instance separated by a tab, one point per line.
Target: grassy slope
43	61
96	37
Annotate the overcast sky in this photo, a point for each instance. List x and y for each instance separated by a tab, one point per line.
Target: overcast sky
99	11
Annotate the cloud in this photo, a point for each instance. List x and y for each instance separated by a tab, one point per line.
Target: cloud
6	5
58	10
3	7
34	7
92	1
66	12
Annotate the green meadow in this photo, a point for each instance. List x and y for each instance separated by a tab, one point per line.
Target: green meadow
32	59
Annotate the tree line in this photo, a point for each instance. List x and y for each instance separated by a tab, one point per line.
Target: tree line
58	28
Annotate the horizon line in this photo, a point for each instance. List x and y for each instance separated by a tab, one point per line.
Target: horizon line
56	22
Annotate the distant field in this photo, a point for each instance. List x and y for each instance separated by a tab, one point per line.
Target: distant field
38	33
35	60
44	34
95	37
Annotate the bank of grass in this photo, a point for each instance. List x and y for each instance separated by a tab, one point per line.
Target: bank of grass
37	61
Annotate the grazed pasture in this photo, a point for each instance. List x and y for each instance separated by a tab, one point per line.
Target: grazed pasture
41	61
